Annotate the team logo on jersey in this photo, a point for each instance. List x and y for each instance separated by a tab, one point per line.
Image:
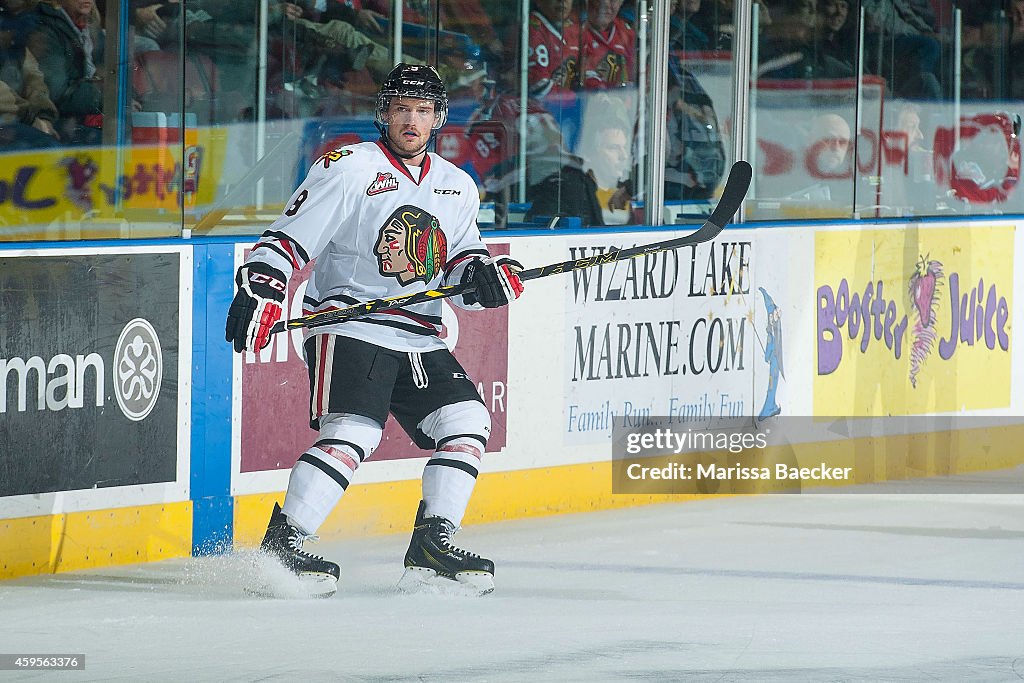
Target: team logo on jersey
333	155
385	182
411	246
612	69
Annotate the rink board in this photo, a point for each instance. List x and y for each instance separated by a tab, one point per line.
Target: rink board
732	327
95	409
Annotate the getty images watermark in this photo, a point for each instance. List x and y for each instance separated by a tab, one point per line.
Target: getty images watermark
666	440
728	456
920	454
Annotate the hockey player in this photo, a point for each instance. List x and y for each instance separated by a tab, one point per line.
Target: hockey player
381	219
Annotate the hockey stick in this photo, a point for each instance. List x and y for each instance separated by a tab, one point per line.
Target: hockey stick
732	196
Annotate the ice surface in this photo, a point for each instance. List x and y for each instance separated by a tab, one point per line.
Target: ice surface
770	588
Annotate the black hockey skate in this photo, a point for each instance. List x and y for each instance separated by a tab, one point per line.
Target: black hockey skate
317	577
432	556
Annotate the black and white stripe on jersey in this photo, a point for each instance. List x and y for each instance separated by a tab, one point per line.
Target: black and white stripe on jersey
399	325
463	256
285	246
422	324
317	304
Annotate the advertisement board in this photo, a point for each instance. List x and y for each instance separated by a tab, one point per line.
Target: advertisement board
94	377
680	334
913	320
77	192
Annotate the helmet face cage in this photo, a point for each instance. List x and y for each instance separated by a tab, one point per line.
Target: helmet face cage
414	81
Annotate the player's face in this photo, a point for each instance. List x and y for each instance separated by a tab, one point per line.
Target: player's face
410	122
391	250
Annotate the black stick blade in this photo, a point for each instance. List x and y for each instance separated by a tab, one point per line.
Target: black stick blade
732	196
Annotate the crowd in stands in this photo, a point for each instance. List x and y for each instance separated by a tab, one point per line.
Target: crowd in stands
325	58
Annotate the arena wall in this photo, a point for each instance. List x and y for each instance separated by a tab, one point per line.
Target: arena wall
767	323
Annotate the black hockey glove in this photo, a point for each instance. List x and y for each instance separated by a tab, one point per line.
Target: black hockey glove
256	307
495	279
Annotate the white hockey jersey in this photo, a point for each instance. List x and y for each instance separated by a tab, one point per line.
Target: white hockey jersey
375	230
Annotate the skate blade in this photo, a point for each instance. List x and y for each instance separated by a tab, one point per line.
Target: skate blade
423	580
303	586
272	579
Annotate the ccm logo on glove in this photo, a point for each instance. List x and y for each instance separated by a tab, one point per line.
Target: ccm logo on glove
269	280
256	307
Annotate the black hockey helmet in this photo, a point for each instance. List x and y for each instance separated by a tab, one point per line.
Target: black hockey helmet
420	81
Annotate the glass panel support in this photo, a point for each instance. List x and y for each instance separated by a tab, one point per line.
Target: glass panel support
655	197
742	39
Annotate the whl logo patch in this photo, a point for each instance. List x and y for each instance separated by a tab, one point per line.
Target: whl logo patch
138	369
385	182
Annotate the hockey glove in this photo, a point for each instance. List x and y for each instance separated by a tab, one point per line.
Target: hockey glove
495	280
256	307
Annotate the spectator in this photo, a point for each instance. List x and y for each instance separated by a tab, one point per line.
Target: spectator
899	45
1016	76
982	31
155	24
606	147
553	62
607	47
838	33
684	34
910	184
556	182
695	154
26	112
829	156
695	159
821	172
343	34
66	42
789	49
714	19
458	16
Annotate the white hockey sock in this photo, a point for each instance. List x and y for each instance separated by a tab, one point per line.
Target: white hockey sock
449	478
322	473
312	494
